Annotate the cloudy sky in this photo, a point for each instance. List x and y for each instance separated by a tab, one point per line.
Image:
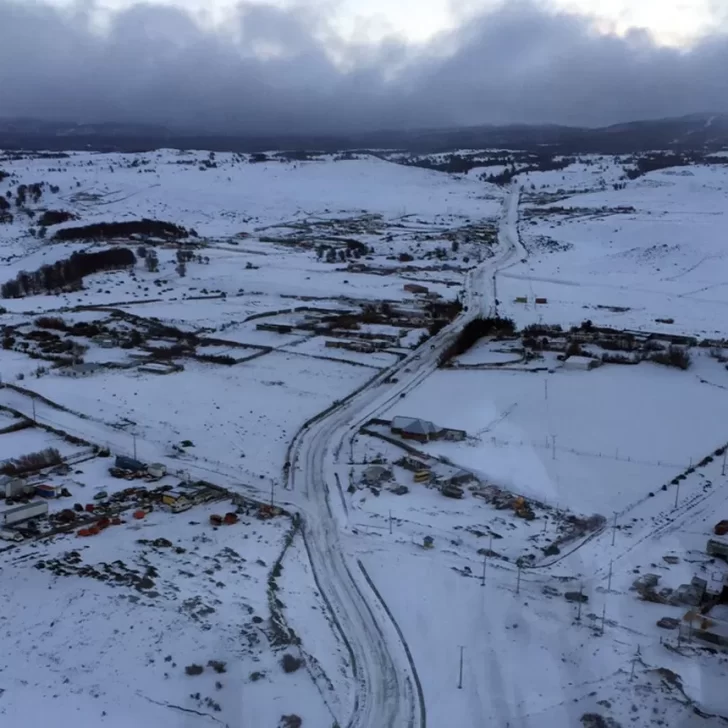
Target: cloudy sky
261	66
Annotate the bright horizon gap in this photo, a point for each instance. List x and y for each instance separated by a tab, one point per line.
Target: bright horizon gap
669	22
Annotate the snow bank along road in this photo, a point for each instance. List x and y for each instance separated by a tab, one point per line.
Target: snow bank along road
387	690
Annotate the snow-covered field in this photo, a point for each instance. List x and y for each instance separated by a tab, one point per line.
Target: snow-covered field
652	250
295	243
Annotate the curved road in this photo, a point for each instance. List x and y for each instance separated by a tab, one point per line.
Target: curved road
386	692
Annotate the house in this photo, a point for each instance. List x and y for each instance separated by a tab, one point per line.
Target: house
412	428
581	363
375	474
415	288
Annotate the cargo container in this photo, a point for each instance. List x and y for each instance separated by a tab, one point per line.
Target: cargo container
18	514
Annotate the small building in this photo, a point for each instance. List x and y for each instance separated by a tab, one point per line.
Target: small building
80	370
415	288
375	474
412	428
105	341
581	363
448	433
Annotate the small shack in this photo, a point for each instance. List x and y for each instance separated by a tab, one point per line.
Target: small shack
375	474
415	288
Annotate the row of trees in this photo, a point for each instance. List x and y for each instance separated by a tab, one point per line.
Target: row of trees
475	330
66	274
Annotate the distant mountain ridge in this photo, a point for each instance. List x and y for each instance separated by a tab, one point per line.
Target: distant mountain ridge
705	132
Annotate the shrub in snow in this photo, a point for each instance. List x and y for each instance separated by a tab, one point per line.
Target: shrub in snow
290	663
194	669
675	356
290	721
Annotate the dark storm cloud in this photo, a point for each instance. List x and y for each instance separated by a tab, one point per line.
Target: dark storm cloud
271	70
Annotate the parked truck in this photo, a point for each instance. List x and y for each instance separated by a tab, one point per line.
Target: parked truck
19	514
12	487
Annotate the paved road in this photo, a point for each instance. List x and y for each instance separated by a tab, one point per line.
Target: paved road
386	693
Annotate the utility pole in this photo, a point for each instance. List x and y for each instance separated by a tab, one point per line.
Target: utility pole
725	452
485	560
518	580
553	447
460	679
390	522
578	610
634	662
677	494
614	529
604	614
609	582
272	491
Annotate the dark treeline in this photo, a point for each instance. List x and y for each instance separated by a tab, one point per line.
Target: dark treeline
111	230
475	330
544	163
652	162
66	274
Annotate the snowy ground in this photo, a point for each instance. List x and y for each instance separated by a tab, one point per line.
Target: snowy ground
581	442
126	618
